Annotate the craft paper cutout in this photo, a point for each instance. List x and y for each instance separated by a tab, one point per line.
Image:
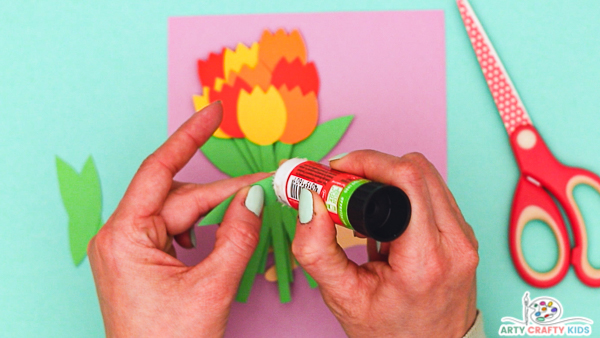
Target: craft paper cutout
82	197
270	113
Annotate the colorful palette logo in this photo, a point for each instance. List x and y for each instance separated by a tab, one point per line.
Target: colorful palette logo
542	316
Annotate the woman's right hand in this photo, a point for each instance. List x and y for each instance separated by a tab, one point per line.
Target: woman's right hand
420	285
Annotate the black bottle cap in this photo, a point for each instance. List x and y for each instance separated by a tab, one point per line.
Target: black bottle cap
379	211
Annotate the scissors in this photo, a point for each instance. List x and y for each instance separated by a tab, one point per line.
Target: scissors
542	175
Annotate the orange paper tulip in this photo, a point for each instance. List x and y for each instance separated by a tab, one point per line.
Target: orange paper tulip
268	90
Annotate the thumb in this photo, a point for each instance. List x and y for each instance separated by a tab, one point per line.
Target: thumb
237	237
315	245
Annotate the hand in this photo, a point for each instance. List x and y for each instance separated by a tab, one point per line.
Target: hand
144	291
419	285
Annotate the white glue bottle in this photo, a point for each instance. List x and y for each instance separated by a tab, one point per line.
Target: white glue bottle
376	210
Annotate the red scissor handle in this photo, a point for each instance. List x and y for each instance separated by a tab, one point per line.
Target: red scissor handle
530	203
539	166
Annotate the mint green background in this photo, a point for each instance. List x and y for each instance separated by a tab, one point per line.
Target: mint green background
90	77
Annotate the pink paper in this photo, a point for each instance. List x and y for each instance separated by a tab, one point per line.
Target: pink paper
385	68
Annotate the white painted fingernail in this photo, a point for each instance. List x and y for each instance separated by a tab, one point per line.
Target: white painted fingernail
337	157
305	206
193	236
255	200
378	244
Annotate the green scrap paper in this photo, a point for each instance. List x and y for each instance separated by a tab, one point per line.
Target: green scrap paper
323	139
215	149
82	197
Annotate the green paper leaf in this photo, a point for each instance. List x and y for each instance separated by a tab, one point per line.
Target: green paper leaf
82	197
215	216
323	139
226	156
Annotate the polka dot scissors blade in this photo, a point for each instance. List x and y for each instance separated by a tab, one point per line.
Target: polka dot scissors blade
542	175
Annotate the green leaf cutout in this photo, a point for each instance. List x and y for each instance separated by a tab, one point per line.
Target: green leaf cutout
227	156
323	139
82	197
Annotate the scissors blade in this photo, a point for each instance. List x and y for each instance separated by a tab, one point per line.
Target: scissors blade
509	104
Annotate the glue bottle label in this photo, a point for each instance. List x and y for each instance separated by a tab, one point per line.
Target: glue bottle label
334	187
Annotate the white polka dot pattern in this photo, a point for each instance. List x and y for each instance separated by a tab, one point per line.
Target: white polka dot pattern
505	96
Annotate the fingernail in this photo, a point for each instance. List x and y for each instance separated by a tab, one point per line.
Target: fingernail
211	104
305	207
337	157
378	244
255	199
193	237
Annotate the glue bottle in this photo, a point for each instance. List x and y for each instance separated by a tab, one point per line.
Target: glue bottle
373	209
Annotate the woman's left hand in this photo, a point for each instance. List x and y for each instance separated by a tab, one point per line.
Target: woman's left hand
144	290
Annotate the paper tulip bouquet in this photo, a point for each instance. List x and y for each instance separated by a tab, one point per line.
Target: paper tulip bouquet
269	92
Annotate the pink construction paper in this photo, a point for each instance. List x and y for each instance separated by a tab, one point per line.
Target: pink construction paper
385	68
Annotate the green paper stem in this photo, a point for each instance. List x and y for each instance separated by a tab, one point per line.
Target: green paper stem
215	216
283	151
262	267
242	146
254	264
290	216
267	185
272	214
267	155
323	139
254	150
289	258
